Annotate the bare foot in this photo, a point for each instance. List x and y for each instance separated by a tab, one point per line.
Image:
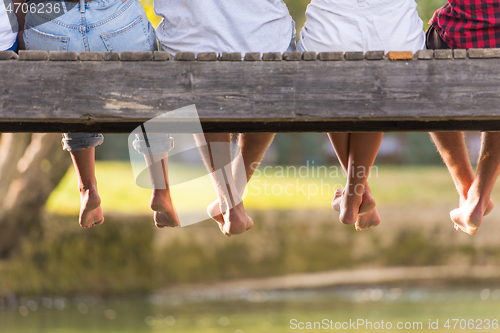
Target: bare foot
367	216
90	208
368	219
367	203
349	208
347	216
489	207
467	217
213	211
165	215
233	222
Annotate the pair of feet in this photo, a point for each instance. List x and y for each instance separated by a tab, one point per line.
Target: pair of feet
231	222
468	217
357	210
361	211
91	212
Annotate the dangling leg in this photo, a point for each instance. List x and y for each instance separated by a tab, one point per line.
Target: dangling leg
253	147
217	157
90	202
452	148
161	201
82	150
347	147
469	216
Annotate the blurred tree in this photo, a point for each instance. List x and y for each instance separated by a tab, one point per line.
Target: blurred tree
31	166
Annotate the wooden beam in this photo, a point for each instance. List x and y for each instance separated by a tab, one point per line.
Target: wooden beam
253	96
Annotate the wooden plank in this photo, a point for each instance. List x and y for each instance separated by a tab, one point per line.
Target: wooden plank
63	56
161	56
460	54
136	56
354	56
91	56
207	56
292	56
8	55
271	96
425	55
483	53
233	56
214	126
272	56
111	56
252	56
443	54
185	56
331	56
33	55
400	55
309	56
374	55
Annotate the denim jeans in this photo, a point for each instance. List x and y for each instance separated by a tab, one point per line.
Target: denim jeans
14	47
98	25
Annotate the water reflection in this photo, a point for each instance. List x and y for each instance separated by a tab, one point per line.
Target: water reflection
244	310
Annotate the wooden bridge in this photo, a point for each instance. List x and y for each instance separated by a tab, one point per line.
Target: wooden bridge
273	92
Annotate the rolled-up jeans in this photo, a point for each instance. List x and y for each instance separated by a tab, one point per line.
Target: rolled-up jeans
93	26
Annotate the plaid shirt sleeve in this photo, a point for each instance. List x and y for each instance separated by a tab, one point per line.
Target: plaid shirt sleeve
465	24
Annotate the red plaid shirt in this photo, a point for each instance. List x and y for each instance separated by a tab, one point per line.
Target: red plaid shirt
464	24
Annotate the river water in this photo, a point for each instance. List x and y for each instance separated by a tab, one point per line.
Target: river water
359	309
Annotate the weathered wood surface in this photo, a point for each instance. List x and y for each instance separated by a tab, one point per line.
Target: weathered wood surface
236	96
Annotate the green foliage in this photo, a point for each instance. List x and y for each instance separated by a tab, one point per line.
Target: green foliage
114	258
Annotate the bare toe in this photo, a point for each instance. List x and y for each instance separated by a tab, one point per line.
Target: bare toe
163	220
368	220
465	221
337	198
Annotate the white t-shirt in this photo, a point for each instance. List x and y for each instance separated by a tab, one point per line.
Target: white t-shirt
223	25
362	25
8	25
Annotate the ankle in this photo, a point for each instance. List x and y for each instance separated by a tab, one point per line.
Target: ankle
89	187
161	192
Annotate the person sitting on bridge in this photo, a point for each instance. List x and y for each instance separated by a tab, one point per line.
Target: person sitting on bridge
227	26
360	25
10	14
102	26
463	24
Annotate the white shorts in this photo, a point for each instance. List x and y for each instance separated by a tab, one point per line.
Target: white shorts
362	25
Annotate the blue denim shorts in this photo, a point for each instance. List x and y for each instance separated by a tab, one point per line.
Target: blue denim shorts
14	47
94	26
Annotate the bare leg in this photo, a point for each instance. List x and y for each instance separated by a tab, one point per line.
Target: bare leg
253	147
469	216
216	156
345	144
90	202
161	201
452	148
